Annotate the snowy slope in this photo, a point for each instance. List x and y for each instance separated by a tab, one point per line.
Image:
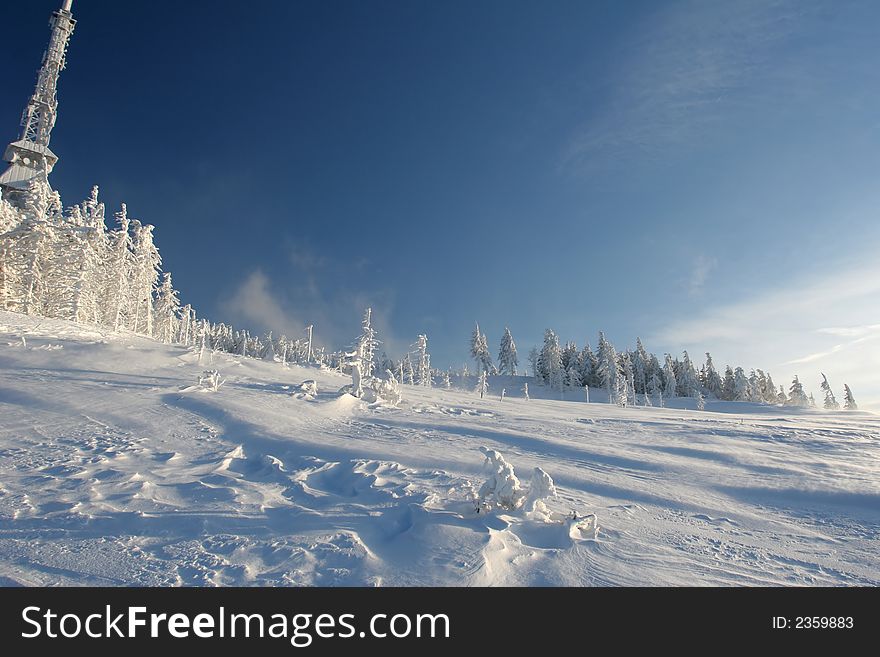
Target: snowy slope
113	470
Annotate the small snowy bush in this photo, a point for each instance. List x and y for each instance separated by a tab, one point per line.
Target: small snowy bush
540	488
307	390
387	390
210	380
502	489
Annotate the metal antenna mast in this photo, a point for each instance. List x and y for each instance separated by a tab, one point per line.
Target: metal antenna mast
30	155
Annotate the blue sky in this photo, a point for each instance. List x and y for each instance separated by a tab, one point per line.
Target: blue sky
703	174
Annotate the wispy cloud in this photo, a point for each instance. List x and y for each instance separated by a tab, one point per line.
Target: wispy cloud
682	71
853	331
702	267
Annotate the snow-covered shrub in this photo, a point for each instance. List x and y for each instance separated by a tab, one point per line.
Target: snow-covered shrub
307	390
387	390
210	380
502	488
540	488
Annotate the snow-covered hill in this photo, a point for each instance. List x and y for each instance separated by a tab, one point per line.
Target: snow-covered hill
115	469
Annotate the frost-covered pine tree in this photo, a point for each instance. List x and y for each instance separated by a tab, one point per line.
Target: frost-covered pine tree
367	344
655	388
713	380
701	401
525	390
409	375
119	272
573	377
849	402
482	383
831	402
670	385
570	356
145	263
741	390
796	394
687	382
447	383
621	396
167	309
268	351
480	350
606	368
728	387
507	361
589	366
640	367
550	361
423	362
770	395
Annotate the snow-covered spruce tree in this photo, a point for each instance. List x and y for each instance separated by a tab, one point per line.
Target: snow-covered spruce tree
118	272
701	401
654	388
423	362
573	377
144	274
606	368
409	375
569	356
268	350
525	390
482	386
687	382
849	402
796	394
770	395
630	380
830	401
755	387
670	385
167	310
367	344
480	350
728	386
447	383
507	361
781	398
713	379
550	361
640	367
621	394
589	367
185	326
30	248
740	385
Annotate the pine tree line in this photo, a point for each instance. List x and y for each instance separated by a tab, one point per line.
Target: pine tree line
66	264
626	374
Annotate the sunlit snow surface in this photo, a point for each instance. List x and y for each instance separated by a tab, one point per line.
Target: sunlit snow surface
116	470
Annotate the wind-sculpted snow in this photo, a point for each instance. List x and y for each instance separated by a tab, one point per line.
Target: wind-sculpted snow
117	469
